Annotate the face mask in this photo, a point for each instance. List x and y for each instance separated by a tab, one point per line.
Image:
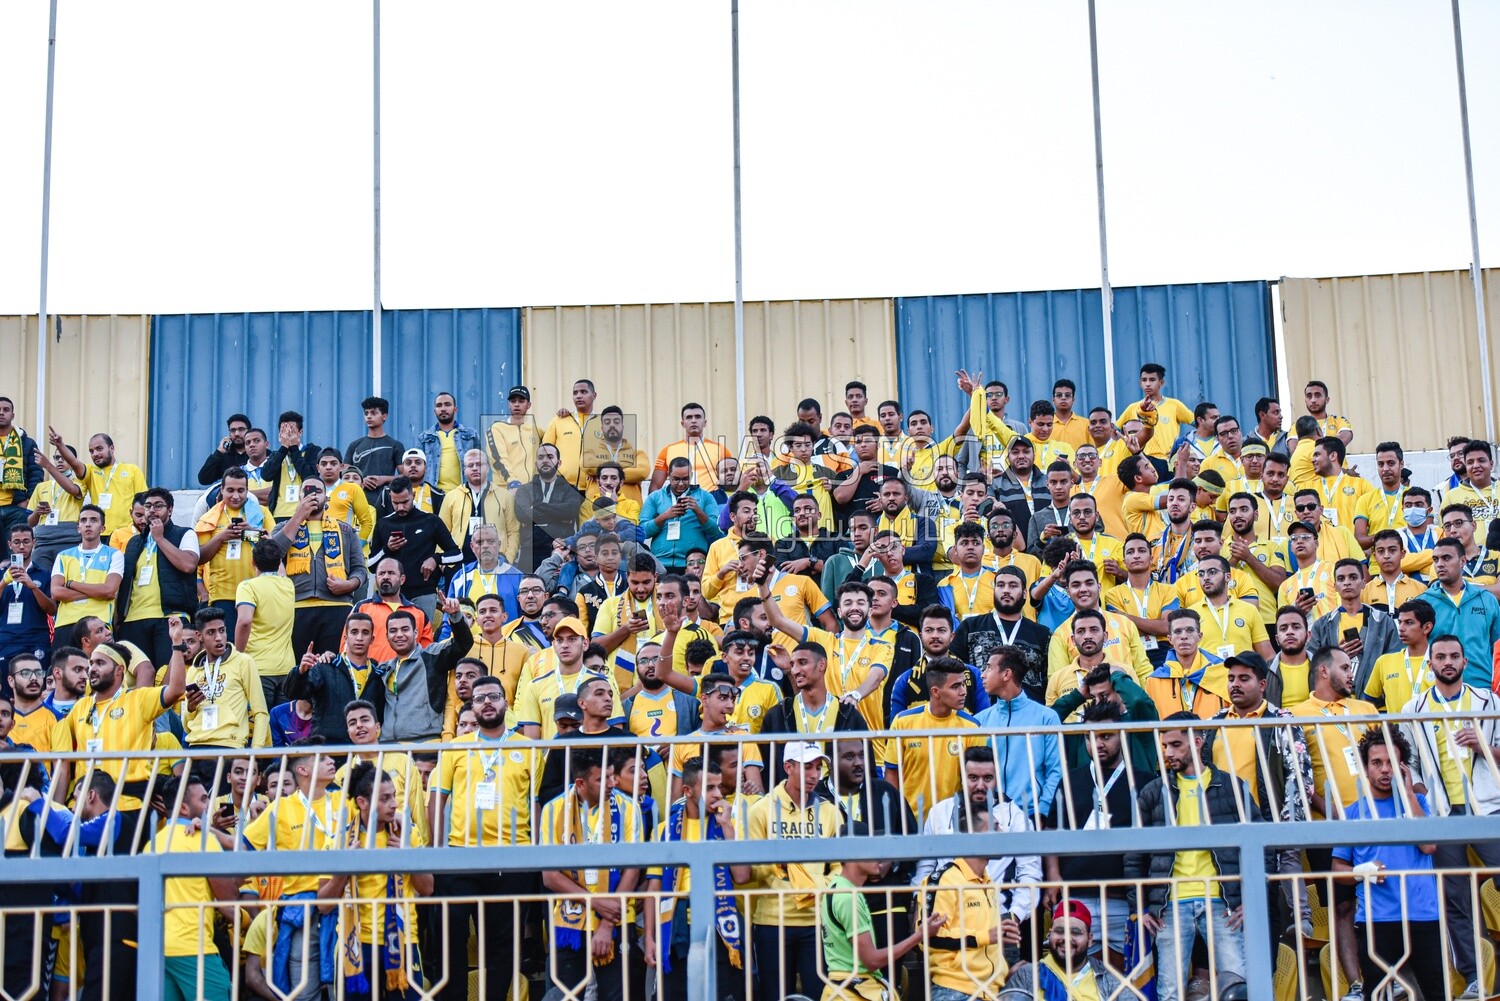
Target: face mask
1414	516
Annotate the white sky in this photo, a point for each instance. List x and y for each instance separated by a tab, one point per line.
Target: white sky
212	157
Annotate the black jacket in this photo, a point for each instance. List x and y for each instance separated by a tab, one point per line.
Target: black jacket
179	591
1032	637
217	464
426	536
1226	796
304	461
544	521
329	686
782	718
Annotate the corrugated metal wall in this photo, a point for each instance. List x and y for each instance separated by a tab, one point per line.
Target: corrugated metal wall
211	365
318	363
651	359
96	378
1216	340
475	354
1400	353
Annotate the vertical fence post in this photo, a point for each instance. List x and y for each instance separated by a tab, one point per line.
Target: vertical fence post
150	964
1260	964
702	966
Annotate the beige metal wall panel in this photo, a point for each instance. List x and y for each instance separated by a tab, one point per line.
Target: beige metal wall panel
98	378
650	359
1400	353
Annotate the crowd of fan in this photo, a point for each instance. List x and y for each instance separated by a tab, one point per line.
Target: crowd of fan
793	591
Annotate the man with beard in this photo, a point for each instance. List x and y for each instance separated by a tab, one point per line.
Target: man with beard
858	488
982	795
1106	684
656	709
547	508
481	798
24	602
388	599
915	587
860	662
679	518
527	629
326	561
229	453
926	769
1022	486
112	719
1103	792
1068	969
1089	634
807	549
1290	680
944	505
1457	733
1002	551
1252	550
1123	643
612	447
1007	624
910	688
418	676
416	538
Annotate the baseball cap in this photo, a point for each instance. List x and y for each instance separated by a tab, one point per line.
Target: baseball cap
1075	909
572	625
566	707
413	453
1250	659
803	752
520	391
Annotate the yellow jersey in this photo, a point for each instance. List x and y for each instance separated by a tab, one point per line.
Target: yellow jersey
489	787
1171	415
931	768
1396	679
1319	577
294	823
1234	628
113	488
124	722
1334	747
188	922
971	904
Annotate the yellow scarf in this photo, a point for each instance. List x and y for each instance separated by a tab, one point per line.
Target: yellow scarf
299	558
13	475
421	496
573	920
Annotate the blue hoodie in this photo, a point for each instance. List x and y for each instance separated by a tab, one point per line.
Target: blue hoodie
1030	775
1475	620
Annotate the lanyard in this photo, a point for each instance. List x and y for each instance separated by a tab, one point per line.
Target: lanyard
1277	508
846	662
1088	488
1093	545
1304	577
1421	667
1222	623
1415	545
971	593
114	467
1142	600
1472	567
213	677
1332	492
323	824
1008	640
812	722
86	560
1113	778
1393	505
1342	728
96	718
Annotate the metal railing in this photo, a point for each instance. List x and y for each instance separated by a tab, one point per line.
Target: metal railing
1262	836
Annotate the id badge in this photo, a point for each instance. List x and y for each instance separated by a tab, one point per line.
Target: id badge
210	716
487	796
52	517
1351	759
1149	642
474	524
105	500
1226	651
1456	751
674	531
232	549
13	613
94	745
289	493
143	575
590	877
1332	514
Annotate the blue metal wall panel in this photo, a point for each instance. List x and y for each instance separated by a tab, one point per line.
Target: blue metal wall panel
1216	341
206	367
475	354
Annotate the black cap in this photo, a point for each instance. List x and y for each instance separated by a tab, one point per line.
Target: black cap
566	707
1250	659
520	391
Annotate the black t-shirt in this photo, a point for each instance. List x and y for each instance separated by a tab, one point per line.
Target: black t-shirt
554	778
1032	637
374	457
1120	803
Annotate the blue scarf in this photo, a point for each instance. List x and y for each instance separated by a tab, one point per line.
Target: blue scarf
571	930
726	915
288	920
1140	945
1053	989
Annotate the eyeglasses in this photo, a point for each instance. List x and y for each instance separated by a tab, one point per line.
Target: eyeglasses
724	691
30	673
1306	507
488	697
646	660
532	590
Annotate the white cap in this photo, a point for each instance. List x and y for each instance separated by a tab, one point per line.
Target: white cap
803	752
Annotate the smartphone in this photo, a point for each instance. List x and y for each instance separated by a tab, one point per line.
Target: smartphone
15	559
398	534
236	521
1351	634
1305	592
193	688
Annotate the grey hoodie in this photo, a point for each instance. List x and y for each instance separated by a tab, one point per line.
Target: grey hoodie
417	686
